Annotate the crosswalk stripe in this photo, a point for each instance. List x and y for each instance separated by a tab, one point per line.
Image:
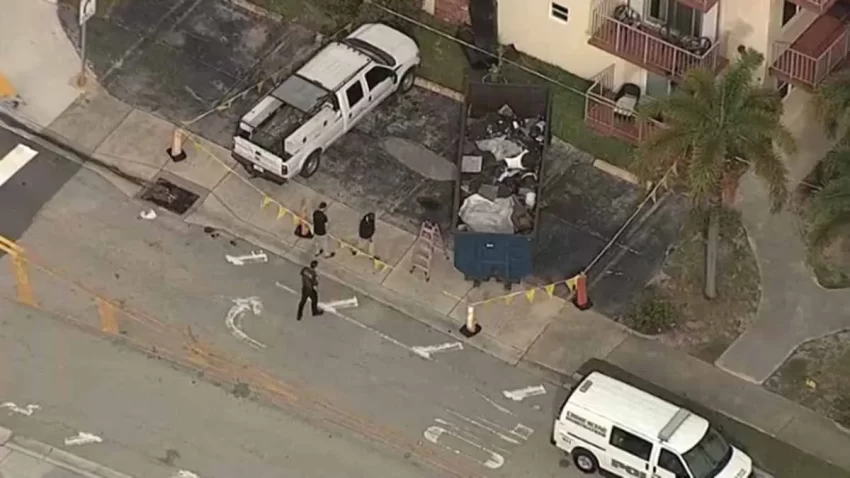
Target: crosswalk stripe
14	161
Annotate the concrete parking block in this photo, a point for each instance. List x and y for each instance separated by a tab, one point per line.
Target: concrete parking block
391	243
137	146
244	205
206	163
573	337
442	293
90	120
516	322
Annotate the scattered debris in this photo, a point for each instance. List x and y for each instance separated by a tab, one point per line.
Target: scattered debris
253	257
170	196
241	390
171	457
523	393
83	438
811	384
150	215
27	410
240	306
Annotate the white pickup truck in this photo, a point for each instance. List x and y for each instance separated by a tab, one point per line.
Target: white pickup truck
285	133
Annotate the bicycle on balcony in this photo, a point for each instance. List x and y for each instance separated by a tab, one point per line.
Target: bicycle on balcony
695	45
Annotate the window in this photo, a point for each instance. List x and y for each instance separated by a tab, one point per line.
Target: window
560	12
784	88
672	463
677	16
789	11
631	444
709	455
354	93
376	76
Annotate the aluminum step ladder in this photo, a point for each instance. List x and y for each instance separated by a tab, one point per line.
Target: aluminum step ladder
430	238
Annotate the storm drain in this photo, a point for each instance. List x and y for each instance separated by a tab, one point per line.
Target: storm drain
170	196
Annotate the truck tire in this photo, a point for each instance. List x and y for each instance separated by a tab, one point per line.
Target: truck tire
585	461
311	164
407	81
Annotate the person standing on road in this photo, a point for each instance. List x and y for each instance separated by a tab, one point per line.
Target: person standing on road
366	232
320	230
309	284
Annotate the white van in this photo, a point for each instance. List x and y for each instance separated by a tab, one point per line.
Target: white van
608	425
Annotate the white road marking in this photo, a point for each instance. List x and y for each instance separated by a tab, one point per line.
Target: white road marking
354	322
496	405
467	432
522	431
253	257
27	410
240	306
433	434
14	161
523	393
426	351
83	438
185	474
490	427
339	304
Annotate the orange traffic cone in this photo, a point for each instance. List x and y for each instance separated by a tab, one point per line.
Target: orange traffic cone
581	299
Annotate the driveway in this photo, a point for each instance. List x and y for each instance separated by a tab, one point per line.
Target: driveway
180	58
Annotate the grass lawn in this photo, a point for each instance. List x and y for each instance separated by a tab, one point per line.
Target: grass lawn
674	308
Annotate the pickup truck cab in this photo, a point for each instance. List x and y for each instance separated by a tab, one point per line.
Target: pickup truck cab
285	133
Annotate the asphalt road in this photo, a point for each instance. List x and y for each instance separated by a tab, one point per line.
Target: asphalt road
29	176
351	375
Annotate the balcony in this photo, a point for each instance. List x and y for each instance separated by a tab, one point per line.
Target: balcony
819	50
644	45
818	6
605	114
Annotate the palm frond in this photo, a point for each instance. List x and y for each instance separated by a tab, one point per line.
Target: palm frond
832	102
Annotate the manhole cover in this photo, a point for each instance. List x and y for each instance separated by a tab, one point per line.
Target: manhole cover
170	196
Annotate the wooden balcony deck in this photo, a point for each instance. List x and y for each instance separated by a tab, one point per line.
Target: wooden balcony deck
818	51
599	114
817	6
643	46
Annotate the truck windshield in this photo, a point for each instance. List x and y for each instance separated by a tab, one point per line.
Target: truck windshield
300	93
376	54
708	457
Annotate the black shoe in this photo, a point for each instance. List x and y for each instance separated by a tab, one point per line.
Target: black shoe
330	255
298	318
318	313
353	252
320	252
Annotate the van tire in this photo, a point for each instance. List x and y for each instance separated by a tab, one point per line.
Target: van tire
407	80
585	461
311	164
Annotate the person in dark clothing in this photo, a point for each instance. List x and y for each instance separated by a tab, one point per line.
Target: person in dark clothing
309	284
320	230
366	232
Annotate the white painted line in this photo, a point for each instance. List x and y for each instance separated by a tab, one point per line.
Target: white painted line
523	393
496	405
253	257
185	474
240	306
522	431
27	410
83	438
491	427
427	351
14	161
433	434
354	322
339	304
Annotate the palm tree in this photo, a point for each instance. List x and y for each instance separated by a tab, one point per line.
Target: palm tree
712	121
831	205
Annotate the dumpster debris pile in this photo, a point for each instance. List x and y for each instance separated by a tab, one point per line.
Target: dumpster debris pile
500	170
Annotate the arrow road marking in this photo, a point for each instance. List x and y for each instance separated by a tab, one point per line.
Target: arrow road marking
426	351
185	474
339	304
433	434
254	256
27	410
240	306
523	393
83	438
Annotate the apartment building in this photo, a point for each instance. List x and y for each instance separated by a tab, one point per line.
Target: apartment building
648	45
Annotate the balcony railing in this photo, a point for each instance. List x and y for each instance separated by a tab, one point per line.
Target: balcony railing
817	6
701	5
642	45
601	112
806	70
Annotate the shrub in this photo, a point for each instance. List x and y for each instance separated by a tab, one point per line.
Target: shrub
652	316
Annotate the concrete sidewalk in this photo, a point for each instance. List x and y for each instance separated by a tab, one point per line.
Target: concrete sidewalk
21	457
543	334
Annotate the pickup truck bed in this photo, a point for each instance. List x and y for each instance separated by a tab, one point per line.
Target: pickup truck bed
280	125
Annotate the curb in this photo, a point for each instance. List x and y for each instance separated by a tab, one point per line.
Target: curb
56	456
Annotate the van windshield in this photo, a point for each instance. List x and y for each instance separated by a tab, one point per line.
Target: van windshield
708	457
